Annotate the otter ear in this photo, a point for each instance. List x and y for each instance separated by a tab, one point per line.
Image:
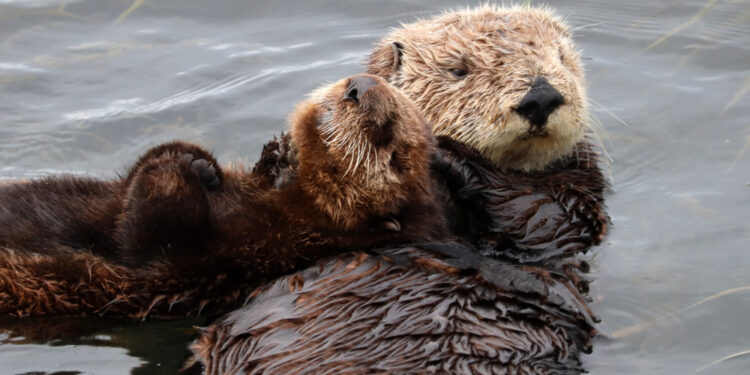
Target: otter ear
386	60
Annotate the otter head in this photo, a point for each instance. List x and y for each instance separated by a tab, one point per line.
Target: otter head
363	150
507	81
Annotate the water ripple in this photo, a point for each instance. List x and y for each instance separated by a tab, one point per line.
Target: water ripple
138	106
19	68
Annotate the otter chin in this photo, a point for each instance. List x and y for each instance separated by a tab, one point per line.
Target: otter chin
507	81
179	235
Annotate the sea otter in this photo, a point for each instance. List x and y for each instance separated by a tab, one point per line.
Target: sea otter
435	308
178	235
504	89
508	84
506	81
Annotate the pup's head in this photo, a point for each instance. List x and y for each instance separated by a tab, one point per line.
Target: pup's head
507	81
363	148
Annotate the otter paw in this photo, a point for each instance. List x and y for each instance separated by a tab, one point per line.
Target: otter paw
206	171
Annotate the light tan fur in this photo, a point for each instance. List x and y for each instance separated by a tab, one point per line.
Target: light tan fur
502	49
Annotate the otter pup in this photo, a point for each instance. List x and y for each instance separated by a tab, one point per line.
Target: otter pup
503	87
178	235
504	90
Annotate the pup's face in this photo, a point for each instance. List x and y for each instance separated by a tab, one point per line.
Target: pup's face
360	143
507	81
370	127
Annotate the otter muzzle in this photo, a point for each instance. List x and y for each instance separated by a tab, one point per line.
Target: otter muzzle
537	105
357	88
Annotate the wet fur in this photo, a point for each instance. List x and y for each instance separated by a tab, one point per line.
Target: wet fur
525	217
430	308
502	50
532	217
178	235
528	205
515	301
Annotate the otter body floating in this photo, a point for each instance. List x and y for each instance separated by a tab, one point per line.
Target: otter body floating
178	235
504	90
431	308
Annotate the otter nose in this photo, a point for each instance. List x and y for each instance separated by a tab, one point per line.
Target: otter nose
541	100
357	88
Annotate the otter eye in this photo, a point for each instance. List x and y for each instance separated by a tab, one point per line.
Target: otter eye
458	73
562	55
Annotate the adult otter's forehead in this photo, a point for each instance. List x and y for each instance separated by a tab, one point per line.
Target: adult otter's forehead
488	37
495	23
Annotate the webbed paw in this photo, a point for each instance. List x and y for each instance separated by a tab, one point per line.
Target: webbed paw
206	171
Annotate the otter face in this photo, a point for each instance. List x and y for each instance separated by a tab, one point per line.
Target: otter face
362	147
507	81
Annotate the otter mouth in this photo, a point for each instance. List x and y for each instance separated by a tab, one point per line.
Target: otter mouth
381	134
536	133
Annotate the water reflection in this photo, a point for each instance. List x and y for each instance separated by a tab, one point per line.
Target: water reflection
86	85
94	346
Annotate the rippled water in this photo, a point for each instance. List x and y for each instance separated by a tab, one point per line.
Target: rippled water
85	85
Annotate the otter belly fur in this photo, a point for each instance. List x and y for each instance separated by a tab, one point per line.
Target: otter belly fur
426	309
178	235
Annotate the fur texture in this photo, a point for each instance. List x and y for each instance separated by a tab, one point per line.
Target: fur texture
468	71
527	204
513	303
532	217
431	308
178	235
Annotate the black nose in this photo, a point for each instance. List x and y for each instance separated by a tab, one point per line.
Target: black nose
357	88
541	100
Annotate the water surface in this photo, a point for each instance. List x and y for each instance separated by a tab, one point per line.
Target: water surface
86	85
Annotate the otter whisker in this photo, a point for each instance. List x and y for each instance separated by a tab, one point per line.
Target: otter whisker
359	155
350	155
584	26
609	112
346	173
367	161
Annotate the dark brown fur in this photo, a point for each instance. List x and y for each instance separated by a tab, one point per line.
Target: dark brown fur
530	217
526	217
431	308
469	72
521	308
177	235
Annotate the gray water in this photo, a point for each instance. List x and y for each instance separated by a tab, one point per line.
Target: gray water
86	85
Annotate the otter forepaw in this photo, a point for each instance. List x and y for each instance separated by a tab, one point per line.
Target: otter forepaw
206	171
195	164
